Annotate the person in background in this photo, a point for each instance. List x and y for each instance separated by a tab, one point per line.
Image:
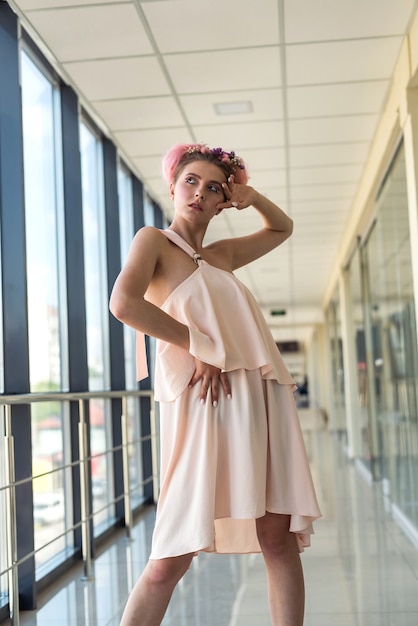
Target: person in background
234	472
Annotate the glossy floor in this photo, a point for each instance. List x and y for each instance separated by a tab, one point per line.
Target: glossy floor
360	571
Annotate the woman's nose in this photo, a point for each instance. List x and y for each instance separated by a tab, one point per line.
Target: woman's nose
200	194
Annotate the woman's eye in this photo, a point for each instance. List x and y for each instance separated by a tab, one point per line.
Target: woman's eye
190	180
214	188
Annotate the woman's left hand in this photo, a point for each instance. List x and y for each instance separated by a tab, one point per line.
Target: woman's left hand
236	196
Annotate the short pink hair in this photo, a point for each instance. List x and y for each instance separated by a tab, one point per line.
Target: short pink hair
182	154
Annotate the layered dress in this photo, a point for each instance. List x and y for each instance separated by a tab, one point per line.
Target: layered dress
223	467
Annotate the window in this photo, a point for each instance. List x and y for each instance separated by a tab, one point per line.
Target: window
44	233
97	325
46	310
126	223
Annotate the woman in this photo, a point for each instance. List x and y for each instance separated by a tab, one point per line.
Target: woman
234	472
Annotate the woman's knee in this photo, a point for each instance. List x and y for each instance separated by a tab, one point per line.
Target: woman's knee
168	571
274	535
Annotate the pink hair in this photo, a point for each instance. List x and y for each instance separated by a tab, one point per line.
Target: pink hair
181	154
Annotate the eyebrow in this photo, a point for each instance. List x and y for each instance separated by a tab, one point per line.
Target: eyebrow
200	178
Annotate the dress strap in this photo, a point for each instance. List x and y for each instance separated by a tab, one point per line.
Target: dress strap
179	241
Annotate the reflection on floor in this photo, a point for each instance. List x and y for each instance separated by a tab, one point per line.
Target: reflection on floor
360	570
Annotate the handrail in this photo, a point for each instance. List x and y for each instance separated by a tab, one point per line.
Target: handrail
28	398
6	402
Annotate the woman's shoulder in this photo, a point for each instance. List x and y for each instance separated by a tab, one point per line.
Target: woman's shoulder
150	233
150	236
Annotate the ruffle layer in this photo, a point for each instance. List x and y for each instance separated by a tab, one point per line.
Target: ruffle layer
217	312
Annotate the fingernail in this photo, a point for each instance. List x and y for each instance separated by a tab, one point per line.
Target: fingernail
202	401
229	396
214	403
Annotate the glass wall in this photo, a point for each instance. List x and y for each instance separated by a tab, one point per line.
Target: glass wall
337	419
394	342
97	325
46	309
357	301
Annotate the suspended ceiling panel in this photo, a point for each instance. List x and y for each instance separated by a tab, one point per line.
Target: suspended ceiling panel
310	77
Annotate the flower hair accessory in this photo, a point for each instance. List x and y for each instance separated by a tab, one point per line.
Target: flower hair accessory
219	153
183	153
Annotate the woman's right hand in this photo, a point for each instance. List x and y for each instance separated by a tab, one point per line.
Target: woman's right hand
210	376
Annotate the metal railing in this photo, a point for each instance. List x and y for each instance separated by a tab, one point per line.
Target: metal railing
6	403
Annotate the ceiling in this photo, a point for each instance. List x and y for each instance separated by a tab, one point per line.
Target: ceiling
314	75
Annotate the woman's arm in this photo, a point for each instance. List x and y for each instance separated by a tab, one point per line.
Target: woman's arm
127	301
277	226
128	304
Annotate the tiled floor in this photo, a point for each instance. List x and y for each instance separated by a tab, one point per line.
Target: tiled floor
360	571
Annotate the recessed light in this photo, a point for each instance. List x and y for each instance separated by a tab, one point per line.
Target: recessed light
233	108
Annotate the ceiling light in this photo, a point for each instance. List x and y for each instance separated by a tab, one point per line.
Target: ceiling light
233	108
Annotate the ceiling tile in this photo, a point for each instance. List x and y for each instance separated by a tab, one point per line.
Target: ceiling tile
152	142
265	104
30	5
203	72
328	154
324	19
342	61
149	166
118	78
212	25
325	209
323	192
338	99
326	174
264	158
332	130
264	179
242	136
92	32
140	113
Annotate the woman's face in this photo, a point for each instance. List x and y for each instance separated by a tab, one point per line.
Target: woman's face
198	190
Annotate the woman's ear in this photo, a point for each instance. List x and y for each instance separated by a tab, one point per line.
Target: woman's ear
172	191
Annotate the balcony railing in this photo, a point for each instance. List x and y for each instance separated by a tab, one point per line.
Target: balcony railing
10	484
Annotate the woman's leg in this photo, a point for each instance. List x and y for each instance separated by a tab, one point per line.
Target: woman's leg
149	598
284	570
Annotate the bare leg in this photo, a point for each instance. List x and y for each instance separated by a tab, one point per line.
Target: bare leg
284	570
149	598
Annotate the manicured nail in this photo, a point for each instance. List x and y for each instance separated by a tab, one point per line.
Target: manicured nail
214	404
202	401
229	396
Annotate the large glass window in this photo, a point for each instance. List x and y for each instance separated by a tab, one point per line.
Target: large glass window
44	235
126	225
46	310
97	325
1	336
126	221
3	543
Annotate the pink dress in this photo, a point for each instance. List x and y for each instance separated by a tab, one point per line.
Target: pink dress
223	467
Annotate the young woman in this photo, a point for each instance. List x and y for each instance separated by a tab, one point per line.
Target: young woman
234	472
